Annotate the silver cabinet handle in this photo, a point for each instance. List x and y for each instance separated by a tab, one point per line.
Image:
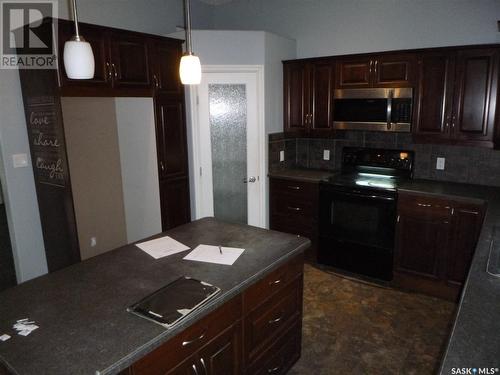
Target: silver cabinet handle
162	166
189	342
114	70
424	205
294	187
277	320
195	369
273	370
204	367
109	72
371	63
376	64
275	282
294	208
156	83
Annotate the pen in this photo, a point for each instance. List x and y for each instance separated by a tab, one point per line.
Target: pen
220	249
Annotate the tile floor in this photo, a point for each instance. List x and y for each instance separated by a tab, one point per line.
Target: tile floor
352	327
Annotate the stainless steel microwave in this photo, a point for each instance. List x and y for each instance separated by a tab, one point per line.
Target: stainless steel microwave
379	109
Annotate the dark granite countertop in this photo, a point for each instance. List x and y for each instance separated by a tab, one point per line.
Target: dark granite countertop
306	175
81	310
475	339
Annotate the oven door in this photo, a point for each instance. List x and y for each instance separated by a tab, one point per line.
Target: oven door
357	231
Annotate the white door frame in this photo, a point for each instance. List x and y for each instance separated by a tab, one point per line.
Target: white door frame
258	71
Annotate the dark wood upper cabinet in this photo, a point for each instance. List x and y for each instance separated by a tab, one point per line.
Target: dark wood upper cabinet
166	58
100	48
129	61
354	73
308	90
434	94
456	96
322	79
296	96
394	70
475	94
376	71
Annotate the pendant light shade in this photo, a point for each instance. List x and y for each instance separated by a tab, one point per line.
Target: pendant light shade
79	60
190	67
190	70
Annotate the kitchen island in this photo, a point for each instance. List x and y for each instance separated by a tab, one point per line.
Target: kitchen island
85	328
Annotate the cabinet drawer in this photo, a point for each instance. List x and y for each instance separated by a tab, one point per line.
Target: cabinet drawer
272	283
281	355
189	341
292	206
302	226
297	189
421	205
268	321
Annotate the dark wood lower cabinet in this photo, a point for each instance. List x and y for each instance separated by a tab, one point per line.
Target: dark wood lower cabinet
435	242
256	332
294	209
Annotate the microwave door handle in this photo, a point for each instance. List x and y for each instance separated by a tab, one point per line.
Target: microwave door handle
389	109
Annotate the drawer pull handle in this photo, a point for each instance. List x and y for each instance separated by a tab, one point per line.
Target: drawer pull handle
294	187
294	208
424	205
203	364
275	282
189	342
273	370
277	320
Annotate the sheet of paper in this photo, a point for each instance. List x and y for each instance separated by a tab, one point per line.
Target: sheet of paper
162	247
212	254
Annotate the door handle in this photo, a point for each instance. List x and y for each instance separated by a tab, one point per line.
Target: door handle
251	179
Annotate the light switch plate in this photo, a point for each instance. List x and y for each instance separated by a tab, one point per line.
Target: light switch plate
326	154
440	163
282	155
93	241
20	160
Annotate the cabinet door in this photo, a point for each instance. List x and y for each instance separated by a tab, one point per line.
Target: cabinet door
475	94
394	71
354	73
166	60
171	137
98	40
296	96
174	201
322	75
130	61
467	221
223	354
420	242
433	105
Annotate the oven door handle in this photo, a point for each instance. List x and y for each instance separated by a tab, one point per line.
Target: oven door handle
361	195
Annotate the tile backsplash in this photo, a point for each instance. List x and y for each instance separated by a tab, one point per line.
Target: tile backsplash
474	165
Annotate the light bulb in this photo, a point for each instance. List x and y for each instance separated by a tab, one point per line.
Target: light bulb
190	70
79	60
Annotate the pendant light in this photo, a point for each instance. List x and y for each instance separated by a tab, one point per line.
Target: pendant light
78	56
190	67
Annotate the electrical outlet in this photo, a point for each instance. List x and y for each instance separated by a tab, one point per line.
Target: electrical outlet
440	163
93	242
326	154
282	155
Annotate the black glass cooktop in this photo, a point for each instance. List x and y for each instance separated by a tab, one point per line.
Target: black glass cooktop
172	303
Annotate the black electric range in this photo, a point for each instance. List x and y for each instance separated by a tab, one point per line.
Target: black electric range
358	211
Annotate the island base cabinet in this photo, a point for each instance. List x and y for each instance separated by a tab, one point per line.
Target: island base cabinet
256	332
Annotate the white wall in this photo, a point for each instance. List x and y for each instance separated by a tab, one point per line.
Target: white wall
153	16
328	27
141	192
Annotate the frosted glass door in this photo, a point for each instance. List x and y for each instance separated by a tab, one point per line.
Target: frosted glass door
228	136
227	146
